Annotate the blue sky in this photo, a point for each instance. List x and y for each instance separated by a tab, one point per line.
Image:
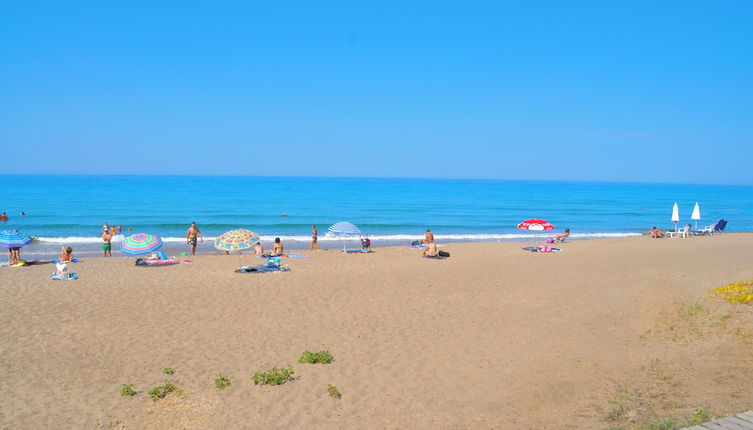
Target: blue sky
640	91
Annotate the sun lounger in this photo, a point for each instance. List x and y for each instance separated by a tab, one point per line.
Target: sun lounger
685	232
709	229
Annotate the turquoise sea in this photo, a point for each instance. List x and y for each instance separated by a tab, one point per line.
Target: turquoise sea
71	209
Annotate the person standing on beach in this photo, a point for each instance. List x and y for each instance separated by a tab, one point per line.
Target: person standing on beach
314	238
191	237
106	243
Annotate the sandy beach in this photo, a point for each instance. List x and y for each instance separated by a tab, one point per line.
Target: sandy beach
606	334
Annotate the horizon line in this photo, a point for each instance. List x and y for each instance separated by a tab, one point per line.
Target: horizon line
379	177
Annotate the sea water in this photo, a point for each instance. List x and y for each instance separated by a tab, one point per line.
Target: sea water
70	210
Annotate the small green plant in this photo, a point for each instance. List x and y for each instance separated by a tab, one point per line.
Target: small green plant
168	371
662	424
161	391
273	376
221	382
316	357
701	416
127	390
333	391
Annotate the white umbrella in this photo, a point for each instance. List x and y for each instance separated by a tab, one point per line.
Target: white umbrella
696	214
343	229
675	215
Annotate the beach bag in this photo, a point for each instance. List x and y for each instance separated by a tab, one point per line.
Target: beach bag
443	254
140	262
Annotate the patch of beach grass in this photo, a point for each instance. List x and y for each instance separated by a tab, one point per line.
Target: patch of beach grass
168	371
273	376
127	390
221	382
333	391
316	357
161	391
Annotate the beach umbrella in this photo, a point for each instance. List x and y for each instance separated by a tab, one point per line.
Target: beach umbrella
140	243
696	214
343	229
236	240
535	224
13	239
675	215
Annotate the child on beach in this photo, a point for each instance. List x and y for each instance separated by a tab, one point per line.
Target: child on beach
66	254
258	249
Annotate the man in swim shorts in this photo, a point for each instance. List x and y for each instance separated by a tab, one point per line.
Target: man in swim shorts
106	243
191	237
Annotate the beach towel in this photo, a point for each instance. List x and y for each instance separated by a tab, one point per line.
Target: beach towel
435	257
75	260
23	263
286	256
356	251
150	263
542	249
63	277
262	269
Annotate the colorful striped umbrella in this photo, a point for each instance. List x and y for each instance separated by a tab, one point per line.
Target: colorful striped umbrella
535	224
236	240
140	243
12	239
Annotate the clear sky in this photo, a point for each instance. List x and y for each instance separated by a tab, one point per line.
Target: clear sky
645	91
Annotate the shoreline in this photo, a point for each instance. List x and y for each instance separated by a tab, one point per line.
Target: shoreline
42	249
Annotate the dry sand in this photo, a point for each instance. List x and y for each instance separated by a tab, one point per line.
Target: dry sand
493	337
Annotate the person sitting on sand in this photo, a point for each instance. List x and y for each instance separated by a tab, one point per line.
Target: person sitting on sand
655	232
258	249
277	248
563	236
428	238
66	254
431	250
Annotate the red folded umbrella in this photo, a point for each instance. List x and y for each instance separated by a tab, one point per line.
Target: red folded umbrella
535	224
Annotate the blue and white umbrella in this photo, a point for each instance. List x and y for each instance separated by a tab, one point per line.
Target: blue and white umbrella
345	229
13	239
